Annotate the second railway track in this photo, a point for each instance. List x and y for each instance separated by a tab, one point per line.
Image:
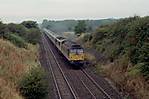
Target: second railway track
64	90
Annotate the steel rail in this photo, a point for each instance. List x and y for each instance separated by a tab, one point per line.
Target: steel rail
97	85
71	89
53	75
93	96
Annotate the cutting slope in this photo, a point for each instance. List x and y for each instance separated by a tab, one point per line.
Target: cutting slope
14	62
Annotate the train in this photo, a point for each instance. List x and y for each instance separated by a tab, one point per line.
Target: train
72	51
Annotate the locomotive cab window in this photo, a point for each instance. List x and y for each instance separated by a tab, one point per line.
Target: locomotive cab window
73	51
79	51
76	51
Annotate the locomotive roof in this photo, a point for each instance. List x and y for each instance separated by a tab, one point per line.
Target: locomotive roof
71	44
60	38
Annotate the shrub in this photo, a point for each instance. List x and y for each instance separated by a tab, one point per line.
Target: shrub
2	29
30	24
135	70
145	70
34	85
33	36
16	40
28	30
87	37
19	29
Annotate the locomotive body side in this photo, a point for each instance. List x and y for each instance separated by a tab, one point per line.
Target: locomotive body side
73	52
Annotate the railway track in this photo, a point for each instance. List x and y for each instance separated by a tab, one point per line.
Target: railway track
64	90
83	85
86	82
96	84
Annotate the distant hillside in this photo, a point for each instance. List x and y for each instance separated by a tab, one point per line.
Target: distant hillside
68	25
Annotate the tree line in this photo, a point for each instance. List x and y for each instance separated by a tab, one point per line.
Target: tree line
33	84
127	39
20	34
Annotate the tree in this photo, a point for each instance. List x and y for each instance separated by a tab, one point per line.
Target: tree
2	29
69	28
89	29
30	24
45	21
33	36
19	29
80	27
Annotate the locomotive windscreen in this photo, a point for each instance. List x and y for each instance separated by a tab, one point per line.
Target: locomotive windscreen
76	46
76	51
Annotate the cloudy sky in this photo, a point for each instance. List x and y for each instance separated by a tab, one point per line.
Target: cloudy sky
19	10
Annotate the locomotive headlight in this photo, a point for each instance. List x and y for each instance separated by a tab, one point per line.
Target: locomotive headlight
82	57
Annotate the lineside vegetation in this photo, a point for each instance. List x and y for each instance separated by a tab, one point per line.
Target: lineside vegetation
125	45
21	75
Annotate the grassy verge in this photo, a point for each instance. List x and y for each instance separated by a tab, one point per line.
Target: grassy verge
15	63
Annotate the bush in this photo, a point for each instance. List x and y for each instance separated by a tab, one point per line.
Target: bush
87	37
34	85
16	40
80	27
145	70
2	29
19	29
30	24
33	36
28	30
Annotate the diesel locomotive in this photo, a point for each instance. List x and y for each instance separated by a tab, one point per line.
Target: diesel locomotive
72	51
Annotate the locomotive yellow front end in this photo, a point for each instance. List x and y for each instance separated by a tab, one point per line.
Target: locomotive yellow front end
76	56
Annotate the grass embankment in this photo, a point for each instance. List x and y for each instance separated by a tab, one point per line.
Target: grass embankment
125	45
14	63
21	75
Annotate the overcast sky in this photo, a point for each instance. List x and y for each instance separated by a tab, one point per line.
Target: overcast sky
19	10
